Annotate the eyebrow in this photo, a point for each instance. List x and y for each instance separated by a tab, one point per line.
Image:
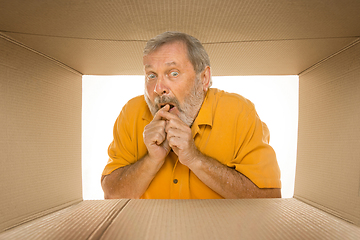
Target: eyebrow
168	64
148	66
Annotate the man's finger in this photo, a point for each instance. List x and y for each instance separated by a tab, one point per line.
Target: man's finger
166	146
167	115
158	115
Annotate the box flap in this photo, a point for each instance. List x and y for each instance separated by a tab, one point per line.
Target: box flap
328	166
227	219
85	220
247	37
40	134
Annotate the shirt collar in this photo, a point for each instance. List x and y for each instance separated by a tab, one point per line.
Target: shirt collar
205	114
147	116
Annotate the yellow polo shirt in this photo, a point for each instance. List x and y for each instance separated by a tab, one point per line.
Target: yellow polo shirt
227	129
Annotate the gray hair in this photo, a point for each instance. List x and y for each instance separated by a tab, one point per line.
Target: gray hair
196	52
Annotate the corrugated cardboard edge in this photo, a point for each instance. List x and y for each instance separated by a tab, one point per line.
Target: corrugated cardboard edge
337	213
357	41
2	35
24	219
99	231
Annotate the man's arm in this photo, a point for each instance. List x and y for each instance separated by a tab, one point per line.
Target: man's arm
132	181
226	181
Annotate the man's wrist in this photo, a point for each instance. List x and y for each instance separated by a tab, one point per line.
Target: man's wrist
197	162
151	164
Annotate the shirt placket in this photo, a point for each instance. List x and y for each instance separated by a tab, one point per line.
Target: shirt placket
180	180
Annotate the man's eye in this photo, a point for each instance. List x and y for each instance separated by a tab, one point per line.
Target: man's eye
151	76
174	74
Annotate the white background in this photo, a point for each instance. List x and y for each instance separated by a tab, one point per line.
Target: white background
275	99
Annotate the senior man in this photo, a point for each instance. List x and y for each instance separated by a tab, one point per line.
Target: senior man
185	140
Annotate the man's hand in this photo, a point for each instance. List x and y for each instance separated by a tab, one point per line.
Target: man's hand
132	181
155	137
178	134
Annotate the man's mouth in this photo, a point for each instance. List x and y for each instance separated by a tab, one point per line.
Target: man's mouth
164	104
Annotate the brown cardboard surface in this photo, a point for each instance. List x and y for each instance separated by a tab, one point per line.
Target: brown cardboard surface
274	37
40	140
227	219
328	166
86	220
232	58
40	106
187	219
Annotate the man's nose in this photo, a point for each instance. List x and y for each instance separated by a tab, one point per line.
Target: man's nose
161	86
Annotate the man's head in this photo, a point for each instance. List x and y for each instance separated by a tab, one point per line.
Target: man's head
177	70
195	50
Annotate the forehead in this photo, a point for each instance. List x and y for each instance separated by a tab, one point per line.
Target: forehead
174	53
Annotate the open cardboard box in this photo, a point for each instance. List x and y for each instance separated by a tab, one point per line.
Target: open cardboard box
45	48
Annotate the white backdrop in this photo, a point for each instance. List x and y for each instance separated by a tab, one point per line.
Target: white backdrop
275	99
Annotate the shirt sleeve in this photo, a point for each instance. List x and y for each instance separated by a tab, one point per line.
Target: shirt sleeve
121	151
254	157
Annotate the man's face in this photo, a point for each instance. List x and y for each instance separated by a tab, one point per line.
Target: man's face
170	78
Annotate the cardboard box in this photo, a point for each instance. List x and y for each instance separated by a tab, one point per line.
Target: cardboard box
45	48
187	219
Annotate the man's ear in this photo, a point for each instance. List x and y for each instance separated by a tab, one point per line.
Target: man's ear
205	78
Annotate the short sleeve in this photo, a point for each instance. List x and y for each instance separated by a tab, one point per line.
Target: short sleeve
254	157
127	145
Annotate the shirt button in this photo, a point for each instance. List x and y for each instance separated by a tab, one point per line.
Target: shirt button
175	181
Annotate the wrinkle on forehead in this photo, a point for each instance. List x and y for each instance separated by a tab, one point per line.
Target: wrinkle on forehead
170	63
